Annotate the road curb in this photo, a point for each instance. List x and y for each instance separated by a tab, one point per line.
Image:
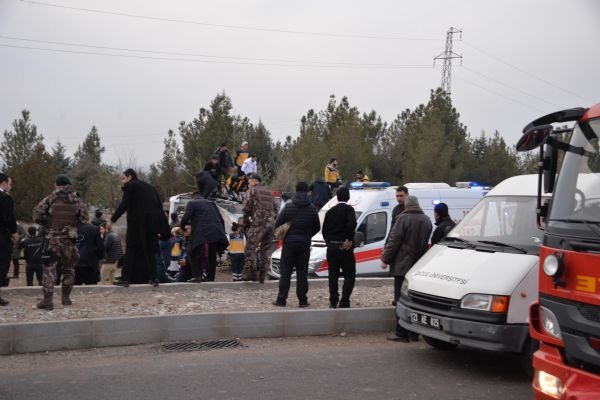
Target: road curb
29	337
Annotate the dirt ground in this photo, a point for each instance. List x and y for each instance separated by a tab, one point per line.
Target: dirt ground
175	298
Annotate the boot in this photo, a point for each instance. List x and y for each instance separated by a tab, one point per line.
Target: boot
66	291
261	276
248	274
46	303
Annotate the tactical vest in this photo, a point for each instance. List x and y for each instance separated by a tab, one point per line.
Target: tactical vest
62	213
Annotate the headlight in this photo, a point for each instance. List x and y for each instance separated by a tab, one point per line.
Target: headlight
549	384
404	289
550	323
553	266
485	302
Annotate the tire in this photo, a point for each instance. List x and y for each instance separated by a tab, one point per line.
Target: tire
526	356
439	344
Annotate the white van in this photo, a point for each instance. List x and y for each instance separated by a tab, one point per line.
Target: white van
474	287
373	203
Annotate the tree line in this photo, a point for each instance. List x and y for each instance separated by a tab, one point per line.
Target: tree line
426	144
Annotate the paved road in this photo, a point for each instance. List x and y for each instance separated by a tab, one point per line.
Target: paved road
352	367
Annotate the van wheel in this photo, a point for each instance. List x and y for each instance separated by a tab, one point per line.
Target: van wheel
526	356
439	344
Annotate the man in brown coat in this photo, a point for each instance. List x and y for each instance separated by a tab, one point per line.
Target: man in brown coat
406	244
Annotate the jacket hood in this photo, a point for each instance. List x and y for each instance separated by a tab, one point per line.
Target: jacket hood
412	209
301	199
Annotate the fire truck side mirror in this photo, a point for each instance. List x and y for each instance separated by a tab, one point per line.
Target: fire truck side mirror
534	137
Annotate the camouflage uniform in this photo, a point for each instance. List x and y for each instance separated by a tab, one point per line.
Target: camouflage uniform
259	215
59	214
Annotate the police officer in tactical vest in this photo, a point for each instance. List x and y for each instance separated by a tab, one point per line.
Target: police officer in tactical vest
59	214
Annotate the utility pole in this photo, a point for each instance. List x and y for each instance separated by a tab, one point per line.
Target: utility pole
447	56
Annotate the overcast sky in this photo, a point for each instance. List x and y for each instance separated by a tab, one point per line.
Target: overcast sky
135	69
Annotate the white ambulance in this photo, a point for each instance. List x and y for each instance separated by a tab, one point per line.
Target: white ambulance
474	288
373	203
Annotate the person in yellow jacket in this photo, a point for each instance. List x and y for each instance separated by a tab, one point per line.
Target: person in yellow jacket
332	174
361	177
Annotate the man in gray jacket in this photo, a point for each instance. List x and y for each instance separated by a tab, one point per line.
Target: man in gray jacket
406	244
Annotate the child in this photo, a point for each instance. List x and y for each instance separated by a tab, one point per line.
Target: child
185	272
112	254
33	255
176	243
237	243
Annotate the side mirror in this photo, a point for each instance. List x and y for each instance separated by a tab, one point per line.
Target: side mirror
359	239
534	137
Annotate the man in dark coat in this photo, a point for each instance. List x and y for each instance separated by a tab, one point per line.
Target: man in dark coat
296	244
145	221
91	250
225	161
401	193
406	244
206	184
320	193
338	231
208	237
443	222
8	230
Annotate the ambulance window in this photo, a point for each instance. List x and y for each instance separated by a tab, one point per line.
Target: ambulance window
374	227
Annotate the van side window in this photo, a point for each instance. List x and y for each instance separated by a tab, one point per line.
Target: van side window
373	227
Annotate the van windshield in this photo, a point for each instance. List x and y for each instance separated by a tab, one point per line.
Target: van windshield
504	219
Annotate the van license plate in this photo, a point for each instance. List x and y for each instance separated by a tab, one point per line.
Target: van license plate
425	319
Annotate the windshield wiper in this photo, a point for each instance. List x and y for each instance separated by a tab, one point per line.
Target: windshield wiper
458	240
500	244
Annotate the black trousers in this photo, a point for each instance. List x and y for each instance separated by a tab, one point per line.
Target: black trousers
86	276
344	260
6	248
30	271
16	267
398	281
204	262
294	256
140	260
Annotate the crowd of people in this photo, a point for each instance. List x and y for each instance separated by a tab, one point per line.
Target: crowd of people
67	248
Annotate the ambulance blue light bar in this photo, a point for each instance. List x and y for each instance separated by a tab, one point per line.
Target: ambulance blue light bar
369	185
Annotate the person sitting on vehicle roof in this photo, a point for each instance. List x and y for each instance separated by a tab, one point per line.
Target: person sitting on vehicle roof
361	177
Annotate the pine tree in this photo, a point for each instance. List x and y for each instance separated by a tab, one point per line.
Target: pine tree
87	165
19	144
60	159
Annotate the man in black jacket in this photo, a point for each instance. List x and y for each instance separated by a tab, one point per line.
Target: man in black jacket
320	193
91	251
296	244
208	237
338	232
207	185
443	222
8	230
145	221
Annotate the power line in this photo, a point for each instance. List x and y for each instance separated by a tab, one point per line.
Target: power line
511	87
262	61
527	73
225	26
499	94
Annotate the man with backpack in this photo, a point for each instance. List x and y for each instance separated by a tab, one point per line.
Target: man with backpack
59	213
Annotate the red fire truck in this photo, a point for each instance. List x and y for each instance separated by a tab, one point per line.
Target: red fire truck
566	318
